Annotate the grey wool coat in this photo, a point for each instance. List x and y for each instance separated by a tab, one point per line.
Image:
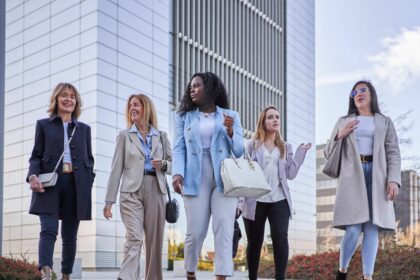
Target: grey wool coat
351	202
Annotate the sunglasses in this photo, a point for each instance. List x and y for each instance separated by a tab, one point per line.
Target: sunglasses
357	91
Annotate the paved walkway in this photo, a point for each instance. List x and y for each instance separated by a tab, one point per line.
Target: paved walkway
167	275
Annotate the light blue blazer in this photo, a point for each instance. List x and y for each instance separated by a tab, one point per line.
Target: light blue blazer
187	151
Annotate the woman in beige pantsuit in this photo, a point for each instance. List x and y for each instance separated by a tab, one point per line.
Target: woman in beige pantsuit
138	163
370	176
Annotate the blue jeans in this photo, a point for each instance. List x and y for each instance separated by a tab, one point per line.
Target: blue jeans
69	227
370	234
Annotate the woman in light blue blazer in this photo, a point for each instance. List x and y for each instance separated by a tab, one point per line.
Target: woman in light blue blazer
206	133
278	163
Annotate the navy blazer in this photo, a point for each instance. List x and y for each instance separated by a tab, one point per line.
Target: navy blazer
49	145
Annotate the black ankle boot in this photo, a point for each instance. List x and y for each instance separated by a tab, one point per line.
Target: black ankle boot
341	275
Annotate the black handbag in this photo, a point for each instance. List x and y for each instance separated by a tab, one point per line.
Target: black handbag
237	235
172	206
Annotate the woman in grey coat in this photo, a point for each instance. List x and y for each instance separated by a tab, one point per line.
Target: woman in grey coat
369	178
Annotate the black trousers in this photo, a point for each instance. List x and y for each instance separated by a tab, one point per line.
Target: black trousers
278	215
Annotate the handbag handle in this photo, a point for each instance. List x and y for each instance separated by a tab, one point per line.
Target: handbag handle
62	155
164	155
251	164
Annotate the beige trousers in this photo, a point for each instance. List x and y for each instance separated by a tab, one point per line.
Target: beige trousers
143	214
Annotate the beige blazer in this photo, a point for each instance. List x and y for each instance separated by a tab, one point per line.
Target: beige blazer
351	202
128	163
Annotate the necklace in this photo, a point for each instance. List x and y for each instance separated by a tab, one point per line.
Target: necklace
206	115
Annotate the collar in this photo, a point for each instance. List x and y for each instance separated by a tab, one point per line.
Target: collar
152	132
55	116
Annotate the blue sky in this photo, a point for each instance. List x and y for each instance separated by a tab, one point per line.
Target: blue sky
371	39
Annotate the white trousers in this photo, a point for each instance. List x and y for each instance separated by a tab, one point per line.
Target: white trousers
198	209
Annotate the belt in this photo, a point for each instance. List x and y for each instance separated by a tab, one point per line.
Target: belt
67	168
366	158
150	173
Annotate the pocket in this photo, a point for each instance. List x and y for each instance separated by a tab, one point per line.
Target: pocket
92	174
45	157
88	164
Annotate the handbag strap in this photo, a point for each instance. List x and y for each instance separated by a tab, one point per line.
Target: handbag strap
164	154
62	155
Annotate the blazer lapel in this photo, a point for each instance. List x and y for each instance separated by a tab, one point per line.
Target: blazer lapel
218	124
155	142
136	141
193	127
259	154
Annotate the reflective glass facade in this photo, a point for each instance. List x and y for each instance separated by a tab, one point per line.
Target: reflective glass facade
300	119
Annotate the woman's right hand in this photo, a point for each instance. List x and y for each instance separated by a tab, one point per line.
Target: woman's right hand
107	211
177	181
348	128
36	185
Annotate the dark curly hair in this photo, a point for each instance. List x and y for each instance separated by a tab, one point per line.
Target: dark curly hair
374	106
213	89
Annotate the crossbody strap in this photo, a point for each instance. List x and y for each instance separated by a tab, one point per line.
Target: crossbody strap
164	155
62	155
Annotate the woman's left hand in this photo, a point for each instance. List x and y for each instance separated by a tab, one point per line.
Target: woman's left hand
157	164
228	123
306	147
392	190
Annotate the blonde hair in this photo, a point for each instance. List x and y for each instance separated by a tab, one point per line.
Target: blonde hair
53	108
149	111
259	135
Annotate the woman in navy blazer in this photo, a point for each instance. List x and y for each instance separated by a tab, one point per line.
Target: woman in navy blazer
276	159
206	133
70	198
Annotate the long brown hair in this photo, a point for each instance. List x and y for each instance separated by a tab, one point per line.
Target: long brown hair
259	135
53	108
149	111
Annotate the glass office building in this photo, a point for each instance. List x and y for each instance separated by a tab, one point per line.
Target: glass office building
109	49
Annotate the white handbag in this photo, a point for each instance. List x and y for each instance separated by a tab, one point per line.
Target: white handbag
243	178
50	179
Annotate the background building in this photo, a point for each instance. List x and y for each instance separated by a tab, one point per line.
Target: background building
327	237
407	205
109	49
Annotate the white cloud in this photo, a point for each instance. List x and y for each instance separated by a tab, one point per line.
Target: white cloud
399	64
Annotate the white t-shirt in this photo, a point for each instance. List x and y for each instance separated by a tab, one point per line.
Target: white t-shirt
365	132
206	128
